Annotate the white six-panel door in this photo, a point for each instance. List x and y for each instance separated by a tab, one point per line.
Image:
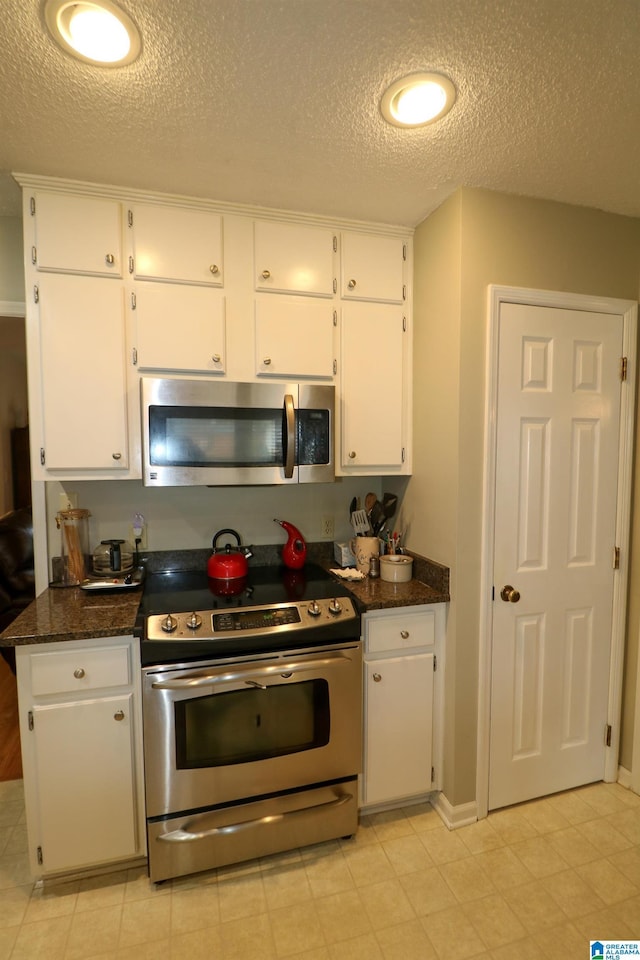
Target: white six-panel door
558	419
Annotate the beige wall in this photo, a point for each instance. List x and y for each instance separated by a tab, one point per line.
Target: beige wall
513	241
11	262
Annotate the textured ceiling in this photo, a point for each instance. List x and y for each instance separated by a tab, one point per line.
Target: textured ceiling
275	102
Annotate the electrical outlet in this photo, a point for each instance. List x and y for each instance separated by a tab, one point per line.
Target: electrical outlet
138	532
327	527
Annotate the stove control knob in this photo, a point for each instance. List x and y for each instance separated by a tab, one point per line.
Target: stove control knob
314	609
169	623
194	621
335	607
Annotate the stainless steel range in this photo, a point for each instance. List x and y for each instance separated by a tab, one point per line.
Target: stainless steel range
252	715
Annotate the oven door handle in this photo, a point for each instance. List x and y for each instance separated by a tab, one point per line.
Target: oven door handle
186	836
189	681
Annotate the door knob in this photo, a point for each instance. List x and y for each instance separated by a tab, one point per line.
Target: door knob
509	594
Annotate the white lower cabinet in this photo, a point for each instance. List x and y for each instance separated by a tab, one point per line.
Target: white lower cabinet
403	673
80	729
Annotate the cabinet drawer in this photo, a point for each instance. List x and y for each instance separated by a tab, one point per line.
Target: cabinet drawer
73	670
400	632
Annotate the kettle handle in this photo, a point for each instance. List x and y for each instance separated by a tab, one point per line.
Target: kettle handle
221	533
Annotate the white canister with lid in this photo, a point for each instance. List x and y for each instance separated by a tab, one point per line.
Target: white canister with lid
396	568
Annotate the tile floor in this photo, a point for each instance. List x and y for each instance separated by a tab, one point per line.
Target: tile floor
537	880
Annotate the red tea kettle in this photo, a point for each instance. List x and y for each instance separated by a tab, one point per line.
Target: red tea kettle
225	563
294	552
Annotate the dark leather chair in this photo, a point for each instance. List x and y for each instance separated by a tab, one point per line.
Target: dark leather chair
17	578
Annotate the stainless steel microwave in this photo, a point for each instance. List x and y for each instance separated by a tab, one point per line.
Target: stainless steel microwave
215	433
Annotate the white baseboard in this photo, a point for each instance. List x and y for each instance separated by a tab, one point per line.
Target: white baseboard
624	777
454	816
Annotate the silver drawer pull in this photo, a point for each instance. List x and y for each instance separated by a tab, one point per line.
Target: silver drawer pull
118	715
377	677
214	268
352	455
351	284
116	456
267	361
216	358
404	634
109	259
79	673
265	274
180	836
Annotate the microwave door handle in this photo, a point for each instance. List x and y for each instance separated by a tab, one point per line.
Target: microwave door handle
290	436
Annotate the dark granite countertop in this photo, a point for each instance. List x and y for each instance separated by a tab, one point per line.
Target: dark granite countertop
71	613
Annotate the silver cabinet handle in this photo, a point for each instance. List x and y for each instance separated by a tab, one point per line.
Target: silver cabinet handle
267	361
265	274
116	456
352	455
118	715
404	634
109	259
215	270
216	358
79	673
351	284
377	677
190	834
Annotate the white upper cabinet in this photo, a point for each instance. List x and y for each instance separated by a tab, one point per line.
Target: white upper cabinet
177	244
179	327
77	234
84	392
294	337
373	388
294	258
372	268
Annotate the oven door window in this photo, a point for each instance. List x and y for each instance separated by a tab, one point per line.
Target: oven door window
242	726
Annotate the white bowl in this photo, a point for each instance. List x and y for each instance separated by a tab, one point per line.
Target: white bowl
396	568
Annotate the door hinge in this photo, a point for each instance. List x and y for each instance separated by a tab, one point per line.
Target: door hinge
403	454
131	264
130	217
404	251
30	719
404	324
39	856
32	206
607	735
133	301
34	255
433	774
335	318
623	368
42	456
335	285
435	663
335	244
36	294
335	367
404	291
134	356
616	558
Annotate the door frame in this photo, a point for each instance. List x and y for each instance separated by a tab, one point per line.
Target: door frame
497	295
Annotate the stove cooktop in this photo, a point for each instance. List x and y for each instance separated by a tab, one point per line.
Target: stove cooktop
265	611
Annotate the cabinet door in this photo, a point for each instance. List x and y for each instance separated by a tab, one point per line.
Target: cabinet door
372	386
174	243
82	330
180	328
398	727
78	234
294	337
372	268
292	258
85	782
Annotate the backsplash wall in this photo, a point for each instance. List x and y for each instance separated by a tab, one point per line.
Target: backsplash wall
186	518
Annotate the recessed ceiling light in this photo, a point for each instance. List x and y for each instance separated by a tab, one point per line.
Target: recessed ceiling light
418	99
96	31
